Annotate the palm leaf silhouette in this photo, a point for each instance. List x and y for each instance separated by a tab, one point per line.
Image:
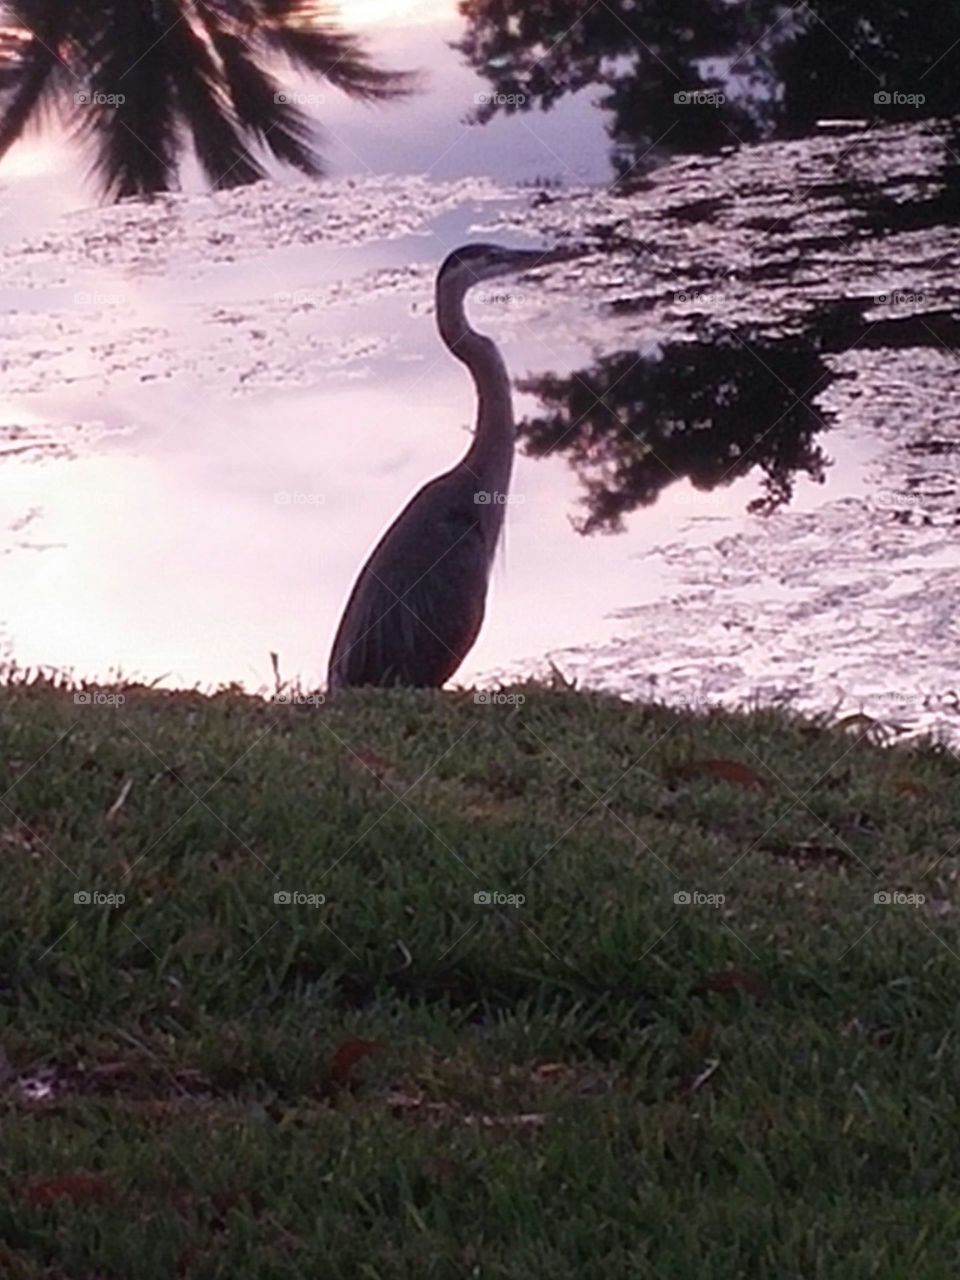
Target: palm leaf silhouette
140	81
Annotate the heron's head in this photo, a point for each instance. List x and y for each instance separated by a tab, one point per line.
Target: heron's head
472	263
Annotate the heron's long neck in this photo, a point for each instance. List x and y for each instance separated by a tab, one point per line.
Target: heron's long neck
490	456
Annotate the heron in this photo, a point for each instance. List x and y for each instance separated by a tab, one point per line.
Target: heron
418	603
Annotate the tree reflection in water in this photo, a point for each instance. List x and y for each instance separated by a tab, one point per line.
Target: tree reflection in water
709	411
777	69
798	234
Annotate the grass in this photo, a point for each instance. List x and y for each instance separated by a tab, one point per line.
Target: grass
403	1082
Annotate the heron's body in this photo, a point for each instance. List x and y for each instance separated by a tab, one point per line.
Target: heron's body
418	604
417	607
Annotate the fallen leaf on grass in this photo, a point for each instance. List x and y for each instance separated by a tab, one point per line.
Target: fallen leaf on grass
806	853
16	839
348	1055
109	1070
443	1169
550	1070
579	1078
489	810
78	1188
733	771
128	1080
112	817
206	941
527	1120
727	981
38	1086
907	787
938	906
417	1104
169	773
401	1101
701	1079
369	762
855	1027
23	839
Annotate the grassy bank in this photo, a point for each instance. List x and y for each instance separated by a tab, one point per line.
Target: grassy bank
599	1080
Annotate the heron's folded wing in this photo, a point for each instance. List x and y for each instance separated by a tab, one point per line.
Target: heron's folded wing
414	627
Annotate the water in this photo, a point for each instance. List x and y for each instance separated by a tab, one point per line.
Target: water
841	328
210	406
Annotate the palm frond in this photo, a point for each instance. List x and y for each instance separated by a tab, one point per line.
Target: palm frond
128	110
139	77
337	56
203	103
31	76
261	106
